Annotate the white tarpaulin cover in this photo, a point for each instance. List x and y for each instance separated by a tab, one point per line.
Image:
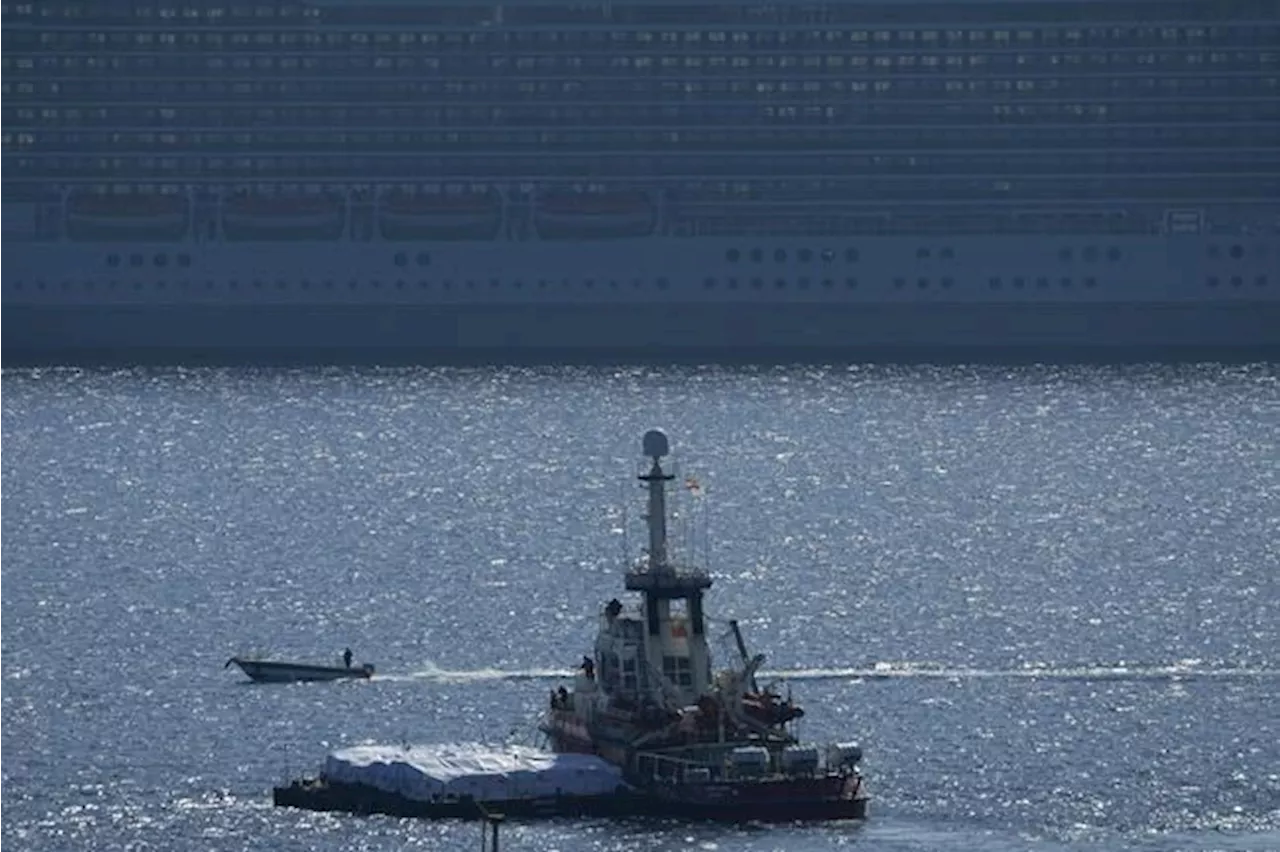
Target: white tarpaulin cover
487	773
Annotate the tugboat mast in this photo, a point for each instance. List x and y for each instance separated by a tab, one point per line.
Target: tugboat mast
656	447
675	644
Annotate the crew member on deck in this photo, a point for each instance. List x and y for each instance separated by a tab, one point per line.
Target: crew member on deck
346	657
588	668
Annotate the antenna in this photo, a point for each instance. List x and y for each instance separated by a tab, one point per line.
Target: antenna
626	524
655	444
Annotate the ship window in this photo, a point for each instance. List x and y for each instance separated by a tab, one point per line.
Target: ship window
677	670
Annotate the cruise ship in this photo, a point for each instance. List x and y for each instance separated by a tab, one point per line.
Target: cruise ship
540	180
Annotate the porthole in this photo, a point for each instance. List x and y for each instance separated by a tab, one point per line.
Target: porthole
828	283
208	284
922	252
757	283
1091	282
805	255
947	253
1065	254
1042	282
1019	283
757	255
137	286
400	284
543	283
424	259
1064	283
1213	281
780	284
161	260
66	285
994	283
471	284
1260	281
613	283
922	283
899	283
1237	252
663	283
517	284
1237	281
733	283
305	284
184	260
828	255
733	255
281	284
1113	254
780	256
589	283
352	285
135	260
708	283
850	283
113	260
947	283
401	259
851	255
494	283
637	284
376	284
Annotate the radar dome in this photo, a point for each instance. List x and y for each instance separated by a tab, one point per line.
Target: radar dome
655	444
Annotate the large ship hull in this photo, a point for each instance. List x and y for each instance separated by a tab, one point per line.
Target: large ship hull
886	298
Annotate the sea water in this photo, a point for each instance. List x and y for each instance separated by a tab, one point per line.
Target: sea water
1043	600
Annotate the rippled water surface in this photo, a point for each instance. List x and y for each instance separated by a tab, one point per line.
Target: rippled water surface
1044	600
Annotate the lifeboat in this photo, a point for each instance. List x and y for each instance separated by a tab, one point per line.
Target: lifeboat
585	215
249	217
94	217
466	216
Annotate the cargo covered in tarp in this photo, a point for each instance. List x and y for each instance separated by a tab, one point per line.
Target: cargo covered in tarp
485	773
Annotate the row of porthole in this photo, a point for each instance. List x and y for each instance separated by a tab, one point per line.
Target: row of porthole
136	260
402	259
900	283
852	255
1235	251
1235	281
1042	283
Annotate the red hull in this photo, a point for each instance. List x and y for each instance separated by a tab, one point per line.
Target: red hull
788	799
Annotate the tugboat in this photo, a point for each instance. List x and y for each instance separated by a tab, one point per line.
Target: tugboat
689	742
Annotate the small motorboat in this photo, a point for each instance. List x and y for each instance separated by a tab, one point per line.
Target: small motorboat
267	671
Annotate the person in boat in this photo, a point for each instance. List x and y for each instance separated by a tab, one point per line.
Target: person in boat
588	668
346	657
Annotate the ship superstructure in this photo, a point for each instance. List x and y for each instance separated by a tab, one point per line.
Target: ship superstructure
783	176
691	740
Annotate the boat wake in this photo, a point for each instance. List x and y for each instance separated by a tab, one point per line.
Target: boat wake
889	671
